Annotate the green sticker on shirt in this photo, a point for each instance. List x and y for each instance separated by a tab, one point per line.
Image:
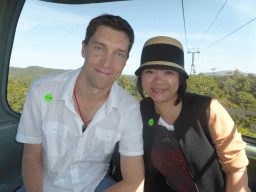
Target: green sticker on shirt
48	97
151	122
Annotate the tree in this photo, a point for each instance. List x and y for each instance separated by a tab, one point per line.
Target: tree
243	84
124	83
252	80
244	99
130	87
204	85
17	92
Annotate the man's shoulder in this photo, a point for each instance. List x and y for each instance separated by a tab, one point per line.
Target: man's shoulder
123	100
52	83
52	77
125	96
54	80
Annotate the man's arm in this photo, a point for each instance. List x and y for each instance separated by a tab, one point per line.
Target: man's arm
32	167
132	169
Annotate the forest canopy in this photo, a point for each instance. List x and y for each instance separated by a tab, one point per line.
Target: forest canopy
233	90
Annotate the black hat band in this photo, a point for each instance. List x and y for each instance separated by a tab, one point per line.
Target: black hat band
164	53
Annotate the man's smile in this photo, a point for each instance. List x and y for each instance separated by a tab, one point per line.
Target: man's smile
102	72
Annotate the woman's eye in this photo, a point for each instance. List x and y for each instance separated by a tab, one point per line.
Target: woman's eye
168	72
149	72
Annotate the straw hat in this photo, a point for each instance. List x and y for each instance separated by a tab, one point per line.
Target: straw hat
162	53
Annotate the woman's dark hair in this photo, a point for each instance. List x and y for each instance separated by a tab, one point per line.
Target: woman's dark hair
115	22
181	90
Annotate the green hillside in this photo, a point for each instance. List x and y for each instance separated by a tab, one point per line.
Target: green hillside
30	73
33	72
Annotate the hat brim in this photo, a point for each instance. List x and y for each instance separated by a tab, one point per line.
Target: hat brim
164	67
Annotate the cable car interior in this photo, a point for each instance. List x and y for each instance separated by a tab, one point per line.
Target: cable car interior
10	150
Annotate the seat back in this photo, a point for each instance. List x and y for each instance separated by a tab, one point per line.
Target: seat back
10	158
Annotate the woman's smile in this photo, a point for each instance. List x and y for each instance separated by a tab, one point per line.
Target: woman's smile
158	91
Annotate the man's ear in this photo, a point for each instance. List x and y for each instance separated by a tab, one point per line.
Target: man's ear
83	49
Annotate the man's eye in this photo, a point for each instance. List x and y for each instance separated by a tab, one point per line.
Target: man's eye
120	55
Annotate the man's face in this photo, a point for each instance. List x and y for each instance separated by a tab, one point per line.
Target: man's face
105	56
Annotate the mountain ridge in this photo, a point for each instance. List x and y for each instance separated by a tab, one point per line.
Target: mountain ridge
31	72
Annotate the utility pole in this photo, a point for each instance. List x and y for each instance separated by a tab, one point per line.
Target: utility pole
193	68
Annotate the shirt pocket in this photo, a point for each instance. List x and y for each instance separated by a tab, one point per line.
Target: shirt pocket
55	138
103	143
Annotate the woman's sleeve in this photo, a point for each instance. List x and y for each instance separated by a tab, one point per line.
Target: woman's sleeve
229	143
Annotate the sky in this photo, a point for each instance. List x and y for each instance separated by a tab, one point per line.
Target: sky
50	35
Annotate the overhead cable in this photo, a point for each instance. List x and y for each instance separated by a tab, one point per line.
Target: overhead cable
184	24
229	34
212	22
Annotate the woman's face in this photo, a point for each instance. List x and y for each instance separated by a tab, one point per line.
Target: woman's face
161	85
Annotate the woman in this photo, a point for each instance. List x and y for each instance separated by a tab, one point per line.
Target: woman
190	141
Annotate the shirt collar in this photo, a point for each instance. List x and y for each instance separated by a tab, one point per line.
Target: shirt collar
114	97
67	91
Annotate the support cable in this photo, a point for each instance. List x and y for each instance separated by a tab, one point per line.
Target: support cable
184	23
212	22
229	34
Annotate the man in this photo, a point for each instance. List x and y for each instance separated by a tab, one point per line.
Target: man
72	120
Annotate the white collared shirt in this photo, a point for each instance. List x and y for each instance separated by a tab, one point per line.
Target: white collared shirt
76	160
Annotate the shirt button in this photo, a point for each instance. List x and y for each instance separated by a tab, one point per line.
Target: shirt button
54	129
78	156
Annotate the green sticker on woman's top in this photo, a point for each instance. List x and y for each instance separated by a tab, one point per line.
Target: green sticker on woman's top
151	122
48	97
